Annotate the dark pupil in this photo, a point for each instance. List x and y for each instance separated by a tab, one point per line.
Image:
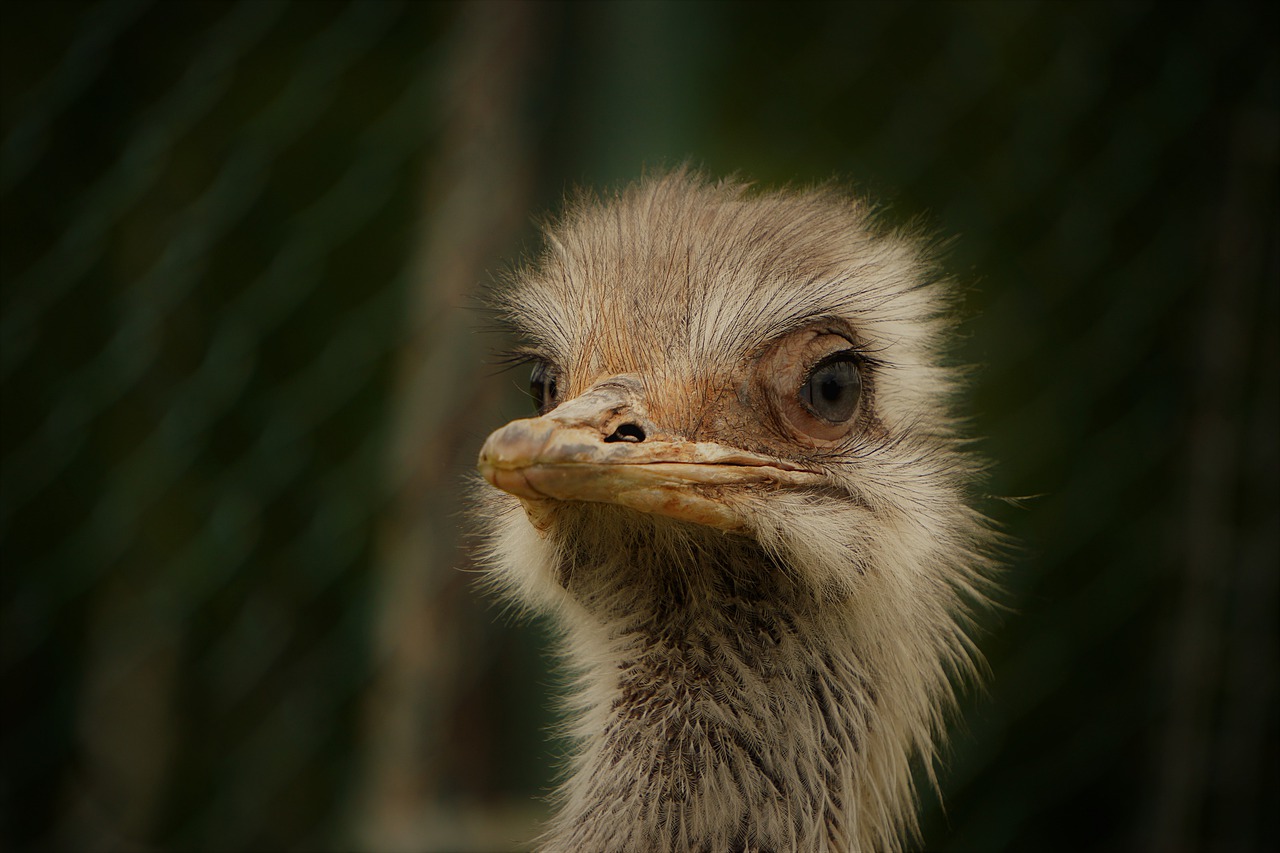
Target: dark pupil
542	385
832	390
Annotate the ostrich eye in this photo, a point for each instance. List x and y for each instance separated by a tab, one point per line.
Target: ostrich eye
817	382
543	387
832	388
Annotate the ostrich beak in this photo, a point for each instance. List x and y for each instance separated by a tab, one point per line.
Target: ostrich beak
600	448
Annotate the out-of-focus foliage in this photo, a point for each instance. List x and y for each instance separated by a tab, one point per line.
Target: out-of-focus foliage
243	381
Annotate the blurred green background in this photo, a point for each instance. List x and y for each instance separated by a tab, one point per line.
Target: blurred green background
244	378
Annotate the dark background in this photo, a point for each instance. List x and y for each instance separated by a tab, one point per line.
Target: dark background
244	377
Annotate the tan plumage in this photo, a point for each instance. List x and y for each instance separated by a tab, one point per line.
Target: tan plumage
763	587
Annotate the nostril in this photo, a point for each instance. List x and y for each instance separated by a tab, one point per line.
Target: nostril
627	432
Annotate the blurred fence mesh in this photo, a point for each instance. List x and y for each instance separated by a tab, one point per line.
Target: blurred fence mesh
243	384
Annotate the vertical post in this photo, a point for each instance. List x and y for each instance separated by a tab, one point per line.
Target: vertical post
478	195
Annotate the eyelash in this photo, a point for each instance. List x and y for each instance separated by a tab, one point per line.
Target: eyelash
859	353
851	354
514	358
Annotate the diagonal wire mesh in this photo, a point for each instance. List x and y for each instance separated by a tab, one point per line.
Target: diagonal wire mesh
242	386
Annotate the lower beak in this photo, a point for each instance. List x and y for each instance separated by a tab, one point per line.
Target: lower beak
541	460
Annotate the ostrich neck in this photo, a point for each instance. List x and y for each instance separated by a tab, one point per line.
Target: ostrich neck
726	719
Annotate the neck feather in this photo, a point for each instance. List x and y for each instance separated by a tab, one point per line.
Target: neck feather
722	707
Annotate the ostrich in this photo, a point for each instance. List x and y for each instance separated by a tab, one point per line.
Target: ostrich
746	503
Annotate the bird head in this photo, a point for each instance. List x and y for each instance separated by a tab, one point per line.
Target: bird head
720	373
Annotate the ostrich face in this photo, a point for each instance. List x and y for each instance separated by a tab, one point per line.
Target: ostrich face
760	366
603	446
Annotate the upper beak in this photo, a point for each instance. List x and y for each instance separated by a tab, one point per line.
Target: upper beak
601	448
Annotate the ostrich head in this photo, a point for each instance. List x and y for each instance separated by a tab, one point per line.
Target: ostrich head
746	503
